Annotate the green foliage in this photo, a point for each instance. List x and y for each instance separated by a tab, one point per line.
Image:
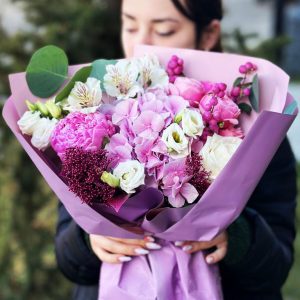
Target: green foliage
99	69
244	107
81	75
254	95
86	30
46	71
238	42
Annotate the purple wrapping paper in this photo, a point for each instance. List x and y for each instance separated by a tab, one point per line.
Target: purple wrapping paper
169	273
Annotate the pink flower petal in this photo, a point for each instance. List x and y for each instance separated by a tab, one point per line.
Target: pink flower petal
189	192
178	201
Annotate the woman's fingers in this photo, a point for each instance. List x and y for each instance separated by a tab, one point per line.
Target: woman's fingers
109	257
220	242
218	254
115	250
117	247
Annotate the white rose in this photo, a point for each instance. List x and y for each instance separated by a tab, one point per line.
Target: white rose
29	121
42	134
131	174
192	123
217	151
177	143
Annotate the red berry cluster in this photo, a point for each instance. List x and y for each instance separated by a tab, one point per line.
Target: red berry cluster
243	89
209	115
175	68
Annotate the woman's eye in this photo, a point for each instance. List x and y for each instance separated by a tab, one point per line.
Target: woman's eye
166	33
131	30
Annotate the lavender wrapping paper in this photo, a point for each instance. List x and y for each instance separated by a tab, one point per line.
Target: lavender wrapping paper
169	273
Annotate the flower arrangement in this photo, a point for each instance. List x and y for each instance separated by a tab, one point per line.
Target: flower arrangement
162	144
158	128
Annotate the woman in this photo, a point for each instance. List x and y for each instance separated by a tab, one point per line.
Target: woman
256	251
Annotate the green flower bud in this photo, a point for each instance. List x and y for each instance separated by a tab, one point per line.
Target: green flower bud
42	108
178	117
31	106
54	110
110	179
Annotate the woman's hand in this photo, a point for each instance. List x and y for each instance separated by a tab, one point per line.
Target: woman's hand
115	250
220	242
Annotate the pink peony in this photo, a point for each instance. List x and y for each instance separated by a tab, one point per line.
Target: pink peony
231	130
79	130
190	89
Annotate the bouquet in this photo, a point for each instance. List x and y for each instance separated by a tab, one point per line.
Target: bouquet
161	143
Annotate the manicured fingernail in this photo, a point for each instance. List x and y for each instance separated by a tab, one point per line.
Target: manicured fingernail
209	259
187	248
124	258
178	243
141	251
149	239
153	246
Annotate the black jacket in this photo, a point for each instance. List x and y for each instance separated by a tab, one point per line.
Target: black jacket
259	275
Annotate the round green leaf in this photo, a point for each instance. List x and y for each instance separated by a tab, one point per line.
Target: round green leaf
46	71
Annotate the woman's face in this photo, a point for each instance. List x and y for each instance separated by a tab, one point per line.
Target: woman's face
155	22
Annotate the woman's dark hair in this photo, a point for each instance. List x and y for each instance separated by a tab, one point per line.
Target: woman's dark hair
201	12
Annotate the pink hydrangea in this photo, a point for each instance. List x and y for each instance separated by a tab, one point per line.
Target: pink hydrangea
176	184
85	131
118	149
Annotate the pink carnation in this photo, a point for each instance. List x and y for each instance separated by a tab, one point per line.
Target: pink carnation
86	131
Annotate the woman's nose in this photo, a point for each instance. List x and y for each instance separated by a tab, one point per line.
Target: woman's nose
144	37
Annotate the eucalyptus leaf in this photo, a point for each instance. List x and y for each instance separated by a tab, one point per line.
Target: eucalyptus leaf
47	71
254	95
244	107
238	81
81	75
291	108
99	68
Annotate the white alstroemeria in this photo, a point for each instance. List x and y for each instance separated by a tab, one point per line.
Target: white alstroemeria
192	123
131	174
28	122
177	143
42	134
85	97
217	151
152	75
120	81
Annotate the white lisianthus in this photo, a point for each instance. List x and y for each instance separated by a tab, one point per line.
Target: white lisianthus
152	75
131	174
28	122
192	123
85	97
42	133
177	143
120	81
217	151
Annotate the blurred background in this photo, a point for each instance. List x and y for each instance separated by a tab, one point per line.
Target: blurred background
89	29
